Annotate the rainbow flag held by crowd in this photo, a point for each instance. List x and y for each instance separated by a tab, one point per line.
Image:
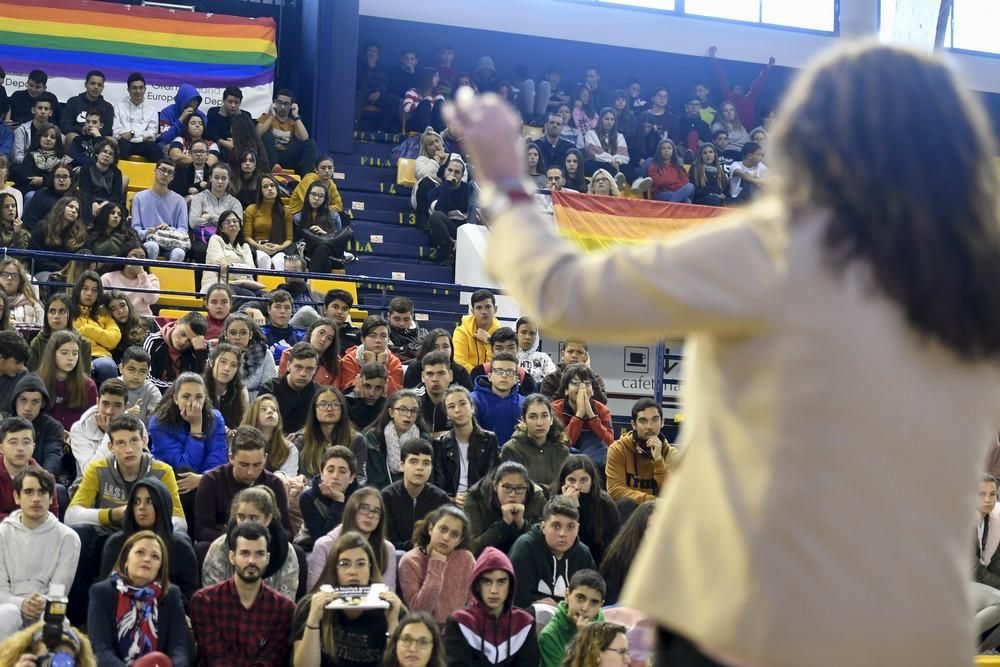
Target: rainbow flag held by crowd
595	222
67	38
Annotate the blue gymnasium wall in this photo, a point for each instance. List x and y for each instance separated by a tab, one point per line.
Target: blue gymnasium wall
677	71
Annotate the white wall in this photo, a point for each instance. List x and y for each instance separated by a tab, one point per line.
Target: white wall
603	24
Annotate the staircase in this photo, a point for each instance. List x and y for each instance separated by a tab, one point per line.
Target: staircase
386	241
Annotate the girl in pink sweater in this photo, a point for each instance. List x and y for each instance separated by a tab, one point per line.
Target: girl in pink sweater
434	575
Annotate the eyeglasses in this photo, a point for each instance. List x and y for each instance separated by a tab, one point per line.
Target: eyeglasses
407	412
504	372
279	103
514	490
348	565
327	405
422	644
9	275
369	510
576	382
166	171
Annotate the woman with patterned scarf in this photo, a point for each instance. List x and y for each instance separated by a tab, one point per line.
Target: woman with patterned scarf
136	616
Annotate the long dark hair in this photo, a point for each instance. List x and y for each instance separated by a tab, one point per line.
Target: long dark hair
277	232
430	340
321	216
245	138
675	158
314	442
240	238
556	431
608	138
621	552
900	227
167	412
350	521
96	310
76	379
59	233
99	228
231	403
65	299
579	181
330	359
699	174
603	515
134	329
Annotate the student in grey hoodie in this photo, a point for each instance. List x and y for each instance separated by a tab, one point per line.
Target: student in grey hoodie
36	551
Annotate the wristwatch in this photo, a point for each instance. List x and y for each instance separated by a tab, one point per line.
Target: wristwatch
495	199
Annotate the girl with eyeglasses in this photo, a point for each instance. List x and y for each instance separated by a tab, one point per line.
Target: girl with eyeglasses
242	332
503	506
23	305
415	643
328	638
587	421
327	426
400	421
364	514
58	184
102	183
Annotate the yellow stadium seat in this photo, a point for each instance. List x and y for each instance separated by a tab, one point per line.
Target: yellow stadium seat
270	283
404	172
531	133
176	314
988	661
140	174
128	201
135	158
179	280
324	286
358	316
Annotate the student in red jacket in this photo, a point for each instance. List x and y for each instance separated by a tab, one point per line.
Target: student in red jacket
587	421
670	180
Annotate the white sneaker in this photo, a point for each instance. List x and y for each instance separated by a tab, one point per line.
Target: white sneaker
349	257
620	181
642	185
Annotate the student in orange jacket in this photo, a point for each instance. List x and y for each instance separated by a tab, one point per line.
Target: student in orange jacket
374	348
638	462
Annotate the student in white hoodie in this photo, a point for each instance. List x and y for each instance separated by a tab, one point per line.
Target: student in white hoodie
36	551
88	436
537	364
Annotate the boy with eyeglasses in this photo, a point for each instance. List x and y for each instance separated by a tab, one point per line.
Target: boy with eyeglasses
505	340
498	402
160	208
412	498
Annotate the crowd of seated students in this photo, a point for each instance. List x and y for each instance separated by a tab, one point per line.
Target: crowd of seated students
256	455
183	491
595	140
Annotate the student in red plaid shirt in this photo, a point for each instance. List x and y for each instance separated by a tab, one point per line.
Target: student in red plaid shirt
242	621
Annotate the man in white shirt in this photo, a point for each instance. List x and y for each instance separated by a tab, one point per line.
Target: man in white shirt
748	176
137	122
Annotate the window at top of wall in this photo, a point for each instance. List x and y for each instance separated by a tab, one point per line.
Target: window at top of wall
666	5
805	14
973	27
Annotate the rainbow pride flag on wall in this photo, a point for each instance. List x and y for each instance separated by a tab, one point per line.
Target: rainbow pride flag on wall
596	222
66	38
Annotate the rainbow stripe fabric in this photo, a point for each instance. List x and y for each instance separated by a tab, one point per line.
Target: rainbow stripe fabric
595	222
69	37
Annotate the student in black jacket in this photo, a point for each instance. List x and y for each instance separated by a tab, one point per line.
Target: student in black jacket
466	453
413	497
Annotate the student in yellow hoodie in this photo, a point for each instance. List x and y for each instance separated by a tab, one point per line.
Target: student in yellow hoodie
471	340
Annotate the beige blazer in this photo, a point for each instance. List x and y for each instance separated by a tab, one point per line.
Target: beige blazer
821	513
